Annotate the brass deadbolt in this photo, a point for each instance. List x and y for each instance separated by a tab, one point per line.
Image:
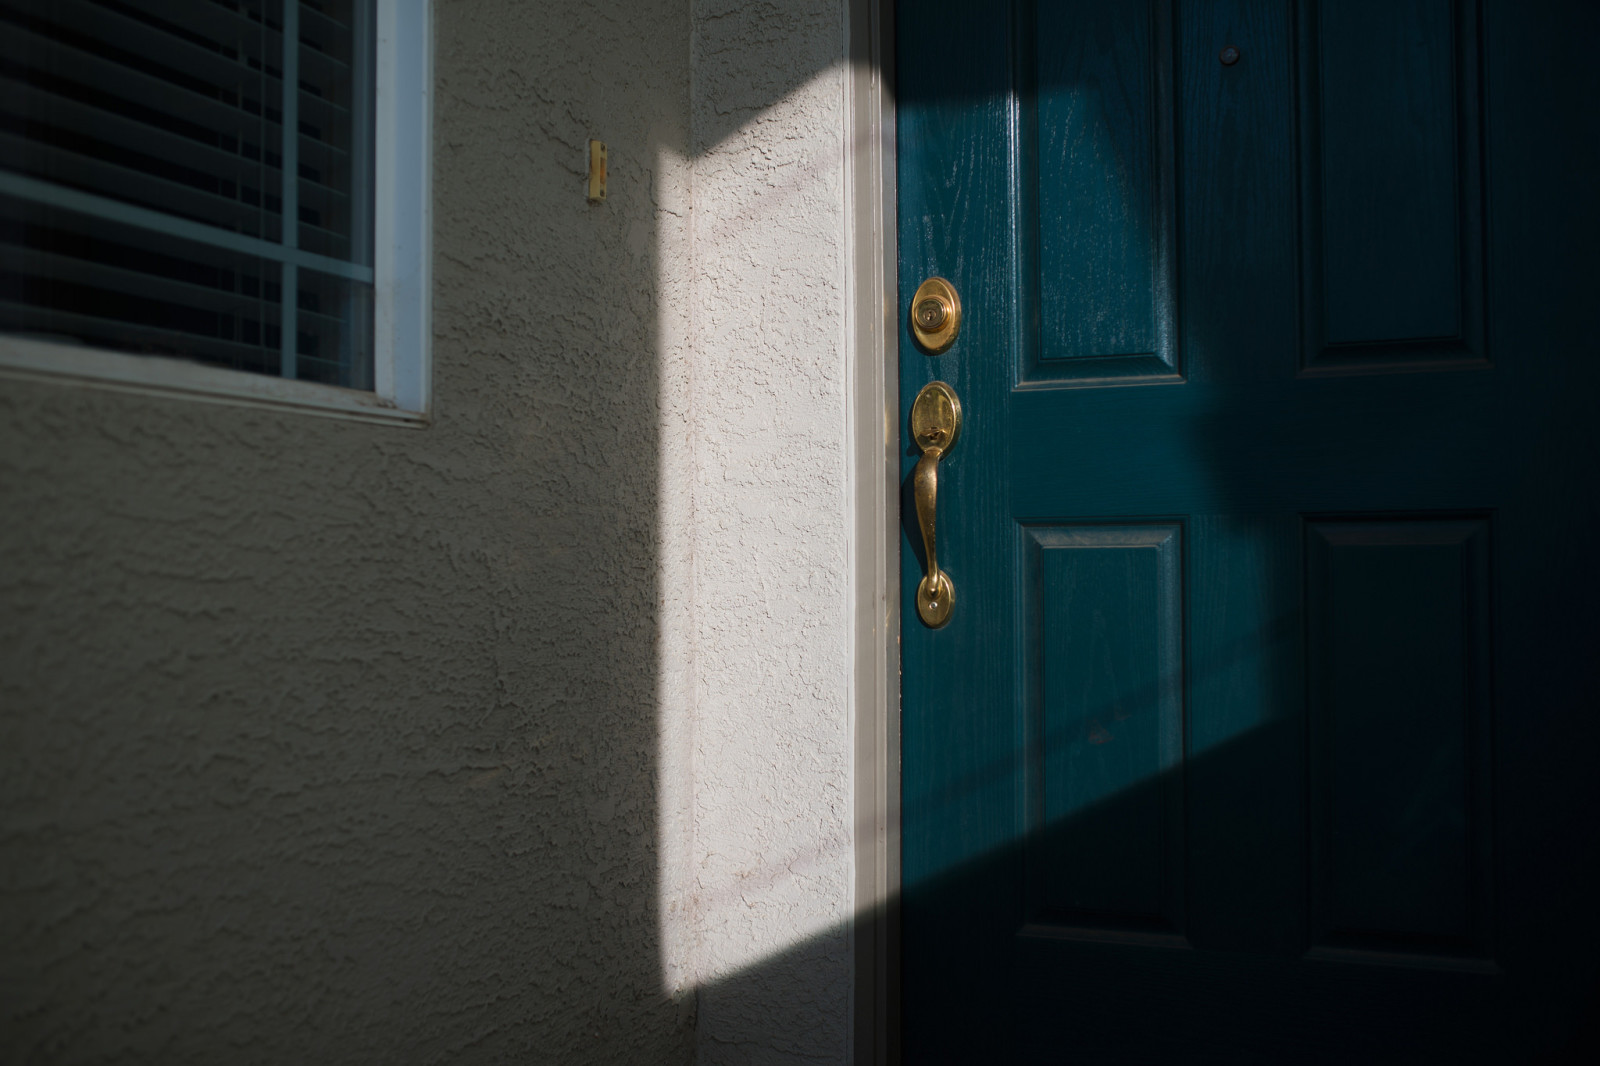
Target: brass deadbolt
935	315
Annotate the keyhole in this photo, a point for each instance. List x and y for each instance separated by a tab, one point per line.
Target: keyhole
932	314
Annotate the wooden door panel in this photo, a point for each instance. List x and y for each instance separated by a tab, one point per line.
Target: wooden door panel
1103	640
1261	727
1398	623
1098	160
1392	168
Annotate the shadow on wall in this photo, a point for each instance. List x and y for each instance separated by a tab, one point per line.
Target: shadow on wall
329	742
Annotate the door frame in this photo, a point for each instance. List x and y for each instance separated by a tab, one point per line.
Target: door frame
873	373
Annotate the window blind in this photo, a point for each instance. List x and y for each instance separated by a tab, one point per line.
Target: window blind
170	169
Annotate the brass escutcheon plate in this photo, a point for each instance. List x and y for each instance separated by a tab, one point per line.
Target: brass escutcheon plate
936	417
935	315
935	599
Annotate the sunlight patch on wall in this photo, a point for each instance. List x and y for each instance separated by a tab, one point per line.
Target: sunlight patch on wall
754	673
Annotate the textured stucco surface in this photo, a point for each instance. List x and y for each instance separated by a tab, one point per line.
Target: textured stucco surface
522	737
772	802
332	742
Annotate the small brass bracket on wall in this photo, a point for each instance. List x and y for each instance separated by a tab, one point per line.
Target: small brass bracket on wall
597	171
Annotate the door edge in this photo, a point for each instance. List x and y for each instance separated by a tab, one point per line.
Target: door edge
873	373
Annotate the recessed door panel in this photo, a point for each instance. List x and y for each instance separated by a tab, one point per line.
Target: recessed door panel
1398	654
1104	639
1100	198
1392	179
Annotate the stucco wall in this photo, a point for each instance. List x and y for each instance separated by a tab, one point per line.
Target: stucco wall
521	737
332	742
771	578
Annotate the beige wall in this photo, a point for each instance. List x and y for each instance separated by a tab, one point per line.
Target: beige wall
508	739
773	802
332	742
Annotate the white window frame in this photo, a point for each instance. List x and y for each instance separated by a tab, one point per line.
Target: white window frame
402	270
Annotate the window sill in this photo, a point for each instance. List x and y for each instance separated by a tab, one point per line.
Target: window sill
158	376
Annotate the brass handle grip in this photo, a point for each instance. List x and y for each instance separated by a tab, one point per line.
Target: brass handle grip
935	425
925	486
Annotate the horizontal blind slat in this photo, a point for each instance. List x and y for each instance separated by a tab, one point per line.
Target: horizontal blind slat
255	118
323	32
50	324
155	143
216	22
256	49
51	266
125	33
94	211
255	39
142	184
137	187
157	148
45	58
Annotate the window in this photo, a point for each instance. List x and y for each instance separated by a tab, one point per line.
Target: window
219	197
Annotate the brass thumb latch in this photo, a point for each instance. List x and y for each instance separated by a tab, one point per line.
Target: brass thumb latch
935	425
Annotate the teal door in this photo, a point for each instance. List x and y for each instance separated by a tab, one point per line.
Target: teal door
1264	726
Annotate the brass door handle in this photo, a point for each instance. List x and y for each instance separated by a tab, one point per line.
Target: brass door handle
935	425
